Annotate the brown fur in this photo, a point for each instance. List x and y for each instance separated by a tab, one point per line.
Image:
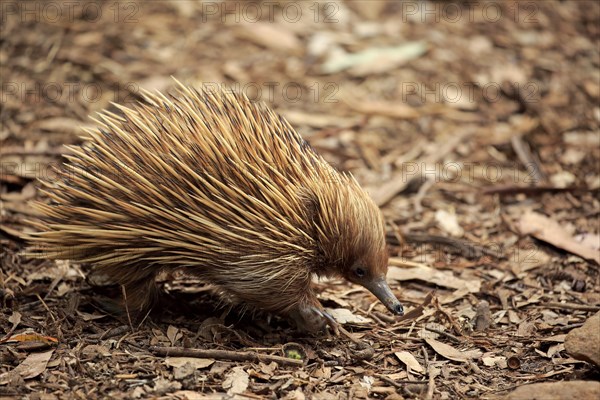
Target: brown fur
215	184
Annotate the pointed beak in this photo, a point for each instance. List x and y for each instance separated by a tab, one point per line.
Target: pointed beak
382	291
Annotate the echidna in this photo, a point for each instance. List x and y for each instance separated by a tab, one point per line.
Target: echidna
222	187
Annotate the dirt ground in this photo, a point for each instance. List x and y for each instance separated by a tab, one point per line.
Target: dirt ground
474	125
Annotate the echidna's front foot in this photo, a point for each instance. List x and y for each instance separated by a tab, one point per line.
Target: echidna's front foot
313	319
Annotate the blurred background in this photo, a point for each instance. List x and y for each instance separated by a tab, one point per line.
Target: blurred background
473	125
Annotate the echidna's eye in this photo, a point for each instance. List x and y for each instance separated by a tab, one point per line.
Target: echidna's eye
359	272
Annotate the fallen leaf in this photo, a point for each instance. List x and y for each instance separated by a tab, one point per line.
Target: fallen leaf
90	317
410	361
30	367
491	361
236	381
197	363
192	394
95	350
451	353
271	35
373	60
582	138
431	275
15	319
551	231
296	118
418	310
31	337
384	108
345	316
63	124
163	385
448	223
173	334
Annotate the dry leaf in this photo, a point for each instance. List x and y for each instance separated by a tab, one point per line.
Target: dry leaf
550	231
384	108
451	353
63	124
297	117
236	381
192	394
345	316
173	334
30	367
89	317
270	35
410	361
428	274
15	319
32	337
491	361
373	60
197	363
448	223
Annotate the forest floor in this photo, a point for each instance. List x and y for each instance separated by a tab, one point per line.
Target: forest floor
475	127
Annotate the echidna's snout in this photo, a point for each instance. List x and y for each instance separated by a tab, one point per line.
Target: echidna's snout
380	288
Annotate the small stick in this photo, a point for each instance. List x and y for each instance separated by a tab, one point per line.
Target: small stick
421	194
127	307
570	306
439	332
383	317
399	384
430	384
532	190
528	159
224	355
119	330
46	307
344	332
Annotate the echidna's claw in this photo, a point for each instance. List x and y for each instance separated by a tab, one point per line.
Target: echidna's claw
313	319
331	322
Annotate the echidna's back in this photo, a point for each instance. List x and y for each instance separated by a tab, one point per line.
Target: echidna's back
199	179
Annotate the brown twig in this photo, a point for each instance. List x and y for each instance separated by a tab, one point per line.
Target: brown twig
17	151
347	334
528	159
398	182
421	194
465	247
530	190
439	332
46	307
399	384
430	383
224	355
119	330
417	311
382	317
127	307
570	306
